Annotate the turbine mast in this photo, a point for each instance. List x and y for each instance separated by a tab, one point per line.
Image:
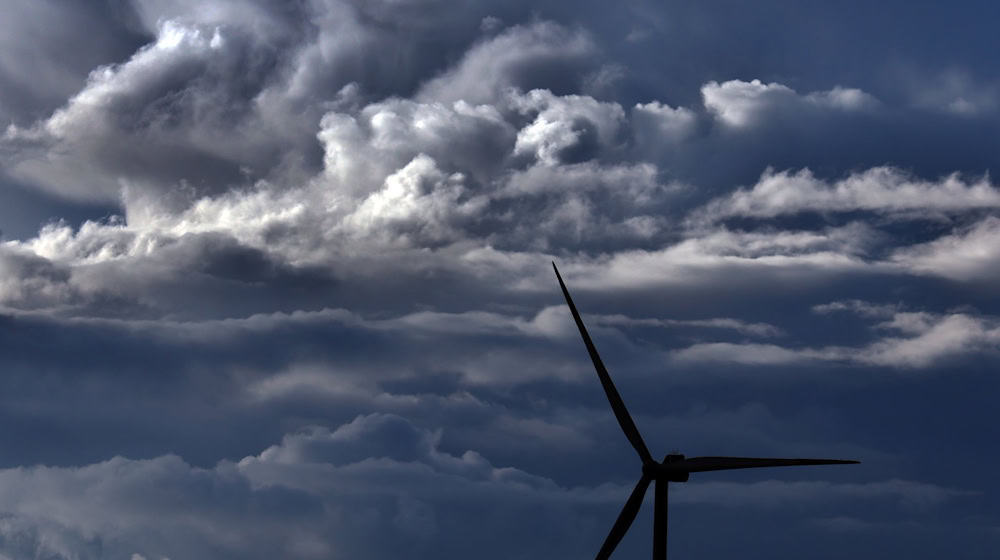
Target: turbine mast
660	520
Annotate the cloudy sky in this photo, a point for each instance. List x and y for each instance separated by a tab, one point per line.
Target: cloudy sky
275	280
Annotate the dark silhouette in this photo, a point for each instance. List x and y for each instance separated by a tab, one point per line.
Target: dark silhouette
673	468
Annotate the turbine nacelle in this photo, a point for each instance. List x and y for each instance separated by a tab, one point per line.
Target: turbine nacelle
671	469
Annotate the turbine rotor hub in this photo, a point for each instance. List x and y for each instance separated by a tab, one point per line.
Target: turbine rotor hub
671	469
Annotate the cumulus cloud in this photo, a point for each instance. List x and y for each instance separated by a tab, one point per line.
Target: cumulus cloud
418	202
186	115
737	103
29	281
159	120
658	126
522	170
567	129
393	177
360	151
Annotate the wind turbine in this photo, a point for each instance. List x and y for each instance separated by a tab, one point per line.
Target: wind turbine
673	467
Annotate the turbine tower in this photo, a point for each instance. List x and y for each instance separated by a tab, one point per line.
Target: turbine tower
673	467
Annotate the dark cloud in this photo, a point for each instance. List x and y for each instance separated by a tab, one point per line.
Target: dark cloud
49	48
540	55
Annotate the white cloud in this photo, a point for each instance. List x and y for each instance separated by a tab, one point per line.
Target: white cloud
567	124
933	339
742	327
418	203
744	353
360	151
657	124
717	254
927	339
972	254
398	174
740	104
879	189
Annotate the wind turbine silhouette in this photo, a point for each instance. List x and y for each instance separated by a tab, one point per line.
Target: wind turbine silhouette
674	467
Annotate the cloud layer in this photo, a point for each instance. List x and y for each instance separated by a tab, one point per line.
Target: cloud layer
322	493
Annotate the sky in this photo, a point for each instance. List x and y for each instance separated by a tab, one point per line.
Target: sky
275	277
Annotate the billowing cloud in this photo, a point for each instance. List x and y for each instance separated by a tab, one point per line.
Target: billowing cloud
31	281
149	121
538	55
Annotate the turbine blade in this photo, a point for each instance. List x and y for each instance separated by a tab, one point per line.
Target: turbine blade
617	405
702	464
625	518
